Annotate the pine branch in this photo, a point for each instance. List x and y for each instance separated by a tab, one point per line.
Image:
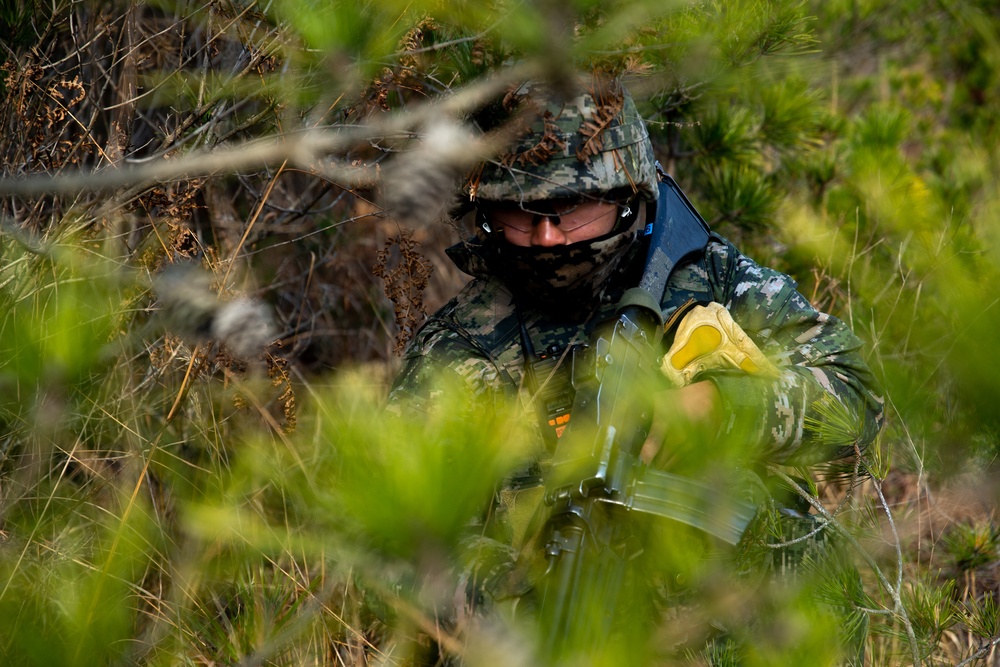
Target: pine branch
892	590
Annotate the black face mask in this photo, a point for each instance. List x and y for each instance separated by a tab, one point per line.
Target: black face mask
567	279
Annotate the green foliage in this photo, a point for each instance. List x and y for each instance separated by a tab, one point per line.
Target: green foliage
366	483
728	133
762	28
971	546
158	505
931	610
738	193
790	114
68	605
838	585
834	428
22	23
982	617
63	308
59	309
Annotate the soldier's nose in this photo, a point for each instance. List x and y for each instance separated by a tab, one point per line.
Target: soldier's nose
546	234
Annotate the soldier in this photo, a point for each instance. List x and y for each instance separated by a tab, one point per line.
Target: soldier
560	235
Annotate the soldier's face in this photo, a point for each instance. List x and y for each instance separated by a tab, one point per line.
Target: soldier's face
553	222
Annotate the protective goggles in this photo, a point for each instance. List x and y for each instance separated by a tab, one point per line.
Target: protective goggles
567	214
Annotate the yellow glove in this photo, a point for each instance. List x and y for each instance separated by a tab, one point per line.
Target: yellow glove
709	338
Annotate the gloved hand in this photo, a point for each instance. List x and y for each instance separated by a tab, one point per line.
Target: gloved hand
492	575
708	338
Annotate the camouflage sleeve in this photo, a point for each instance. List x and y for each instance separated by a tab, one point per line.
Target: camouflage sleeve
823	374
441	368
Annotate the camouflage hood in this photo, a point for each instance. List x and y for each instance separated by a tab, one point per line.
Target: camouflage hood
593	142
590	142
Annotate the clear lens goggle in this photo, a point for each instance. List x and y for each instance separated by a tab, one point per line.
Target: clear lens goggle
567	214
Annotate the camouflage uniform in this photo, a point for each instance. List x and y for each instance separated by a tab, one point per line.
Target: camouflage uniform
475	339
476	344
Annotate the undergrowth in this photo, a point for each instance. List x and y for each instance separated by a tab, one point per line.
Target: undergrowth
168	498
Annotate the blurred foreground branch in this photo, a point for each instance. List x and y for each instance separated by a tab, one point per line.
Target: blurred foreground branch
307	149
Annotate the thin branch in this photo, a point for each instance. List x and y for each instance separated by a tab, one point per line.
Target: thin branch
985	648
303	150
307	150
454	42
893	591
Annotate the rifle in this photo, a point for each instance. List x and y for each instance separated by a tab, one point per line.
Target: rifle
597	477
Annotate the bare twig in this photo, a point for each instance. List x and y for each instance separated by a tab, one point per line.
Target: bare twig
307	150
893	590
253	220
981	652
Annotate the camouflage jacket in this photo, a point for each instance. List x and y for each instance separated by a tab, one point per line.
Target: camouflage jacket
474	342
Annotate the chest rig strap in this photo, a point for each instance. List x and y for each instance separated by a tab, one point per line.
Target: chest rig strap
549	378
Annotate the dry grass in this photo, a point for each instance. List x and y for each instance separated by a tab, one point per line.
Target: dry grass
98	473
